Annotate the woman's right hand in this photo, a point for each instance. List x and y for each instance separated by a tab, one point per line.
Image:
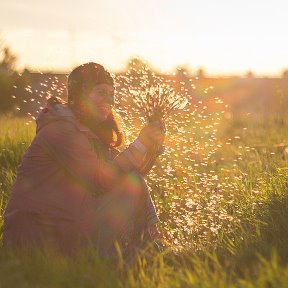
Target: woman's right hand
153	134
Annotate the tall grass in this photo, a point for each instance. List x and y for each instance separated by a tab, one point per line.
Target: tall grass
15	137
225	222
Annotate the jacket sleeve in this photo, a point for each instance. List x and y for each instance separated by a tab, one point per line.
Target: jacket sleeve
71	149
142	165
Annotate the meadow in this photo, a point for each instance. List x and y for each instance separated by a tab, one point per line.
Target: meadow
220	190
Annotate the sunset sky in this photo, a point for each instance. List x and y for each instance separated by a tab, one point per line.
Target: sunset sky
220	36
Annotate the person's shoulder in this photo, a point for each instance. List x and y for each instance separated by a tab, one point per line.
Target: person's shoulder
63	135
60	128
56	117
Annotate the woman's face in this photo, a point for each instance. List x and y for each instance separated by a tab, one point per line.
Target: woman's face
102	100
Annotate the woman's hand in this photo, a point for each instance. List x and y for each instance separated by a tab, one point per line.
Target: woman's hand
153	134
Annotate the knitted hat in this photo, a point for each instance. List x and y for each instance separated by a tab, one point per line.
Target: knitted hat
86	76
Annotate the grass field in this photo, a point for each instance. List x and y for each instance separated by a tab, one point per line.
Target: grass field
221	194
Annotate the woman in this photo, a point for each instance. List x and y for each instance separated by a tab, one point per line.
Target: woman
73	188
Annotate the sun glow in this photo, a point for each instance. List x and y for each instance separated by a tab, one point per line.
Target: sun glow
221	37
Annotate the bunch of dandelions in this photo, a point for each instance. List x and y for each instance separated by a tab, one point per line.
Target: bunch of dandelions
157	103
152	97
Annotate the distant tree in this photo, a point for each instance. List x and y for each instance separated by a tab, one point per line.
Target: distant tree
249	75
8	61
136	64
8	78
285	74
181	73
182	79
200	73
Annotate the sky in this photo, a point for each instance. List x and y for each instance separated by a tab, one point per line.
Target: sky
220	36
